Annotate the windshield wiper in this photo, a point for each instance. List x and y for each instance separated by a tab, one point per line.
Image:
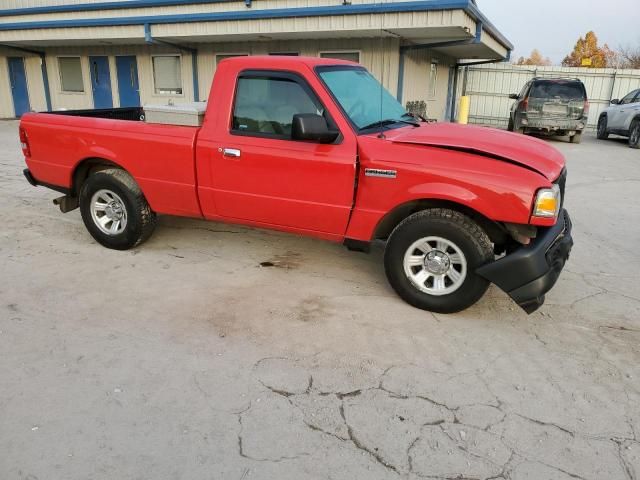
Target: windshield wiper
389	121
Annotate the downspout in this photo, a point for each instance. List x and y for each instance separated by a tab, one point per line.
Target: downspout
43	69
194	57
464	81
452	43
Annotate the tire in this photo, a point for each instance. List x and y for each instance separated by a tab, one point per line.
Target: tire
466	246
129	219
510	125
576	138
602	134
634	134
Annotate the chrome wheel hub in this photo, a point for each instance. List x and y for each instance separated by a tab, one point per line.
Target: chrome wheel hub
435	265
108	212
437	262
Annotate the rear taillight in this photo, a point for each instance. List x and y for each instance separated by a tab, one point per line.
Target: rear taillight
586	108
525	104
24	143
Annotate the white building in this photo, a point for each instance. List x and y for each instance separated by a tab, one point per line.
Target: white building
73	54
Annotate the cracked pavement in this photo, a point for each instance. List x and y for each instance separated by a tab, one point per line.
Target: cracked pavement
222	352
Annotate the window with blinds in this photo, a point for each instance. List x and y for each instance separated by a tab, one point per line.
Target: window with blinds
70	74
167	75
342	55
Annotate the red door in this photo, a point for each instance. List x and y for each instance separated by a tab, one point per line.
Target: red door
258	174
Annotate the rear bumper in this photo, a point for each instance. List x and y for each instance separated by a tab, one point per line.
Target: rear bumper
527	274
554	124
36	183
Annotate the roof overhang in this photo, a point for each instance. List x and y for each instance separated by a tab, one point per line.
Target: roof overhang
413	22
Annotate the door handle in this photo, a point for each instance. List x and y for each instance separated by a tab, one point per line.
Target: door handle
231	152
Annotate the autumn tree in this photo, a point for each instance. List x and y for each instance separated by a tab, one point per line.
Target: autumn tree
535	58
587	48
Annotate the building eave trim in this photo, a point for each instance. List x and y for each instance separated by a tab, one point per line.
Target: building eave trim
90	7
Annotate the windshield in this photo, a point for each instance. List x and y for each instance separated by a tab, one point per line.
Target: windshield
360	94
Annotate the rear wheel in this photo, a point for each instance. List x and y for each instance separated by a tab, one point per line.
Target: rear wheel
431	258
634	134
576	137
114	210
603	134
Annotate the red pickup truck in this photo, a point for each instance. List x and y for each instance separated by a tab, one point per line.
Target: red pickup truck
317	147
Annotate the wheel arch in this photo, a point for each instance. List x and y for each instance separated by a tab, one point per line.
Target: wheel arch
86	167
496	232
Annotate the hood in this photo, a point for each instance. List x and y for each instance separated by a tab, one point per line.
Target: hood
527	152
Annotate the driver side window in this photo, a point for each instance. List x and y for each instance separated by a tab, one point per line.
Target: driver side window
629	98
265	106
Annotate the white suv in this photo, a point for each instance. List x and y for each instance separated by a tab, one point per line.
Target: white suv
622	117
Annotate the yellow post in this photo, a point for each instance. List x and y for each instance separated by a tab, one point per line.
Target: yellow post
463	113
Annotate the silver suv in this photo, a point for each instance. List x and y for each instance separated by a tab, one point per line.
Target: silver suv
622	117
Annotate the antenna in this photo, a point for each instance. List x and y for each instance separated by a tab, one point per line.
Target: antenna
381	135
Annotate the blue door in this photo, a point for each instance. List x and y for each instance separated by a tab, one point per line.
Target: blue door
18	82
128	86
101	82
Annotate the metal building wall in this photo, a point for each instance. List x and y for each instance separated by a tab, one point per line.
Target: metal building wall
380	56
6	102
417	64
489	87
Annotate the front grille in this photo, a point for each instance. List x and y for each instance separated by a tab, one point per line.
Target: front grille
561	182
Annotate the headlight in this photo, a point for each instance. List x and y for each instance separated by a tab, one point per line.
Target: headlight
547	202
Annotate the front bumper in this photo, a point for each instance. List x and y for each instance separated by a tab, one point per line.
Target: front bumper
527	274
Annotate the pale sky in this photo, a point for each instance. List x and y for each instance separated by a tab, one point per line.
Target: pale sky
554	26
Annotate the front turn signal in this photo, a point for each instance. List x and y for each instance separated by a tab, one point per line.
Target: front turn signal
547	203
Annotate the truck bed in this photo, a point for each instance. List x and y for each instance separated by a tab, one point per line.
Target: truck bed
133	114
159	157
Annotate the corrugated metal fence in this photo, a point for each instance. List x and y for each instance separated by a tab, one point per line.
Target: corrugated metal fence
489	87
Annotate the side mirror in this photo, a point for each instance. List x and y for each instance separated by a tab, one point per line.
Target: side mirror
615	101
514	96
312	127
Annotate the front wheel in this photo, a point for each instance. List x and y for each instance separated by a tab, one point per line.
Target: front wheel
431	258
114	210
602	128
634	134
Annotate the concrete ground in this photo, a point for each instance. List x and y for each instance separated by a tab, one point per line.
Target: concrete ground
186	359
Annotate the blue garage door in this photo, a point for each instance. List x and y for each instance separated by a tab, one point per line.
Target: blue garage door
18	82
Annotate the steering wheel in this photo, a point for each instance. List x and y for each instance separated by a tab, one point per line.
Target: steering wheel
275	126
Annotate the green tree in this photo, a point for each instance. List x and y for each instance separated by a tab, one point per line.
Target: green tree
587	48
535	58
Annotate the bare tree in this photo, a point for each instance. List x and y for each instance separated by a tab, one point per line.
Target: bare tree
629	56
